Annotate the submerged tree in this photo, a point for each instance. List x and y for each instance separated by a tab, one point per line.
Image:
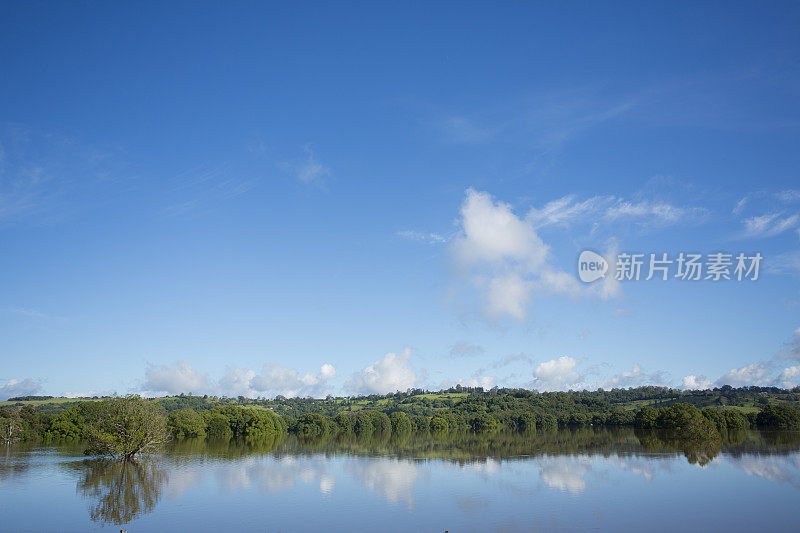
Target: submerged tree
126	427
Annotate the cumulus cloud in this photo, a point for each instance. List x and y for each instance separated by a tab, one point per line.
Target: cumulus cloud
789	376
564	373
752	374
692	382
628	378
393	372
762	373
508	294
175	379
493	233
504	257
635	377
276	380
14	387
773	372
236	382
557	374
271	381
487	382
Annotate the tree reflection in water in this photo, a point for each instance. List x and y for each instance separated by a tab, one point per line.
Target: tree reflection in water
120	491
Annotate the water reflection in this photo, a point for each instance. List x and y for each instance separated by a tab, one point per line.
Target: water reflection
119	492
394	479
463	475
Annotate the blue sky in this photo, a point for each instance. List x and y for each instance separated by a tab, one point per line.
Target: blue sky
266	199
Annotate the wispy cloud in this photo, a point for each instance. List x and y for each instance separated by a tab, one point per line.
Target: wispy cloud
605	209
204	187
465	349
548	120
740	205
463	130
419	236
31	313
769	225
308	169
45	177
788	196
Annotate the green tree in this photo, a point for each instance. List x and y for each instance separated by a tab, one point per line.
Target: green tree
400	423
126	427
439	425
645	418
187	423
779	416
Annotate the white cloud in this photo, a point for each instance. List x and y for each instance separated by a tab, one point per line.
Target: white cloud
657	211
87	394
492	233
508	262
603	208
487	382
276	380
565	473
14	387
236	382
557	374
692	382
627	378
427	238
788	378
175	379
505	259
391	373
273	380
508	294
753	374
565	211
740	205
769	225
762	373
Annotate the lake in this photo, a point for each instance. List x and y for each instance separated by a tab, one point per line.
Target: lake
595	479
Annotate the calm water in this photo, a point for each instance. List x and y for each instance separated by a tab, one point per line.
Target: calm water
586	479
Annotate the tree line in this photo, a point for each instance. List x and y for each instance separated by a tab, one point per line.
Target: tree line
127	426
